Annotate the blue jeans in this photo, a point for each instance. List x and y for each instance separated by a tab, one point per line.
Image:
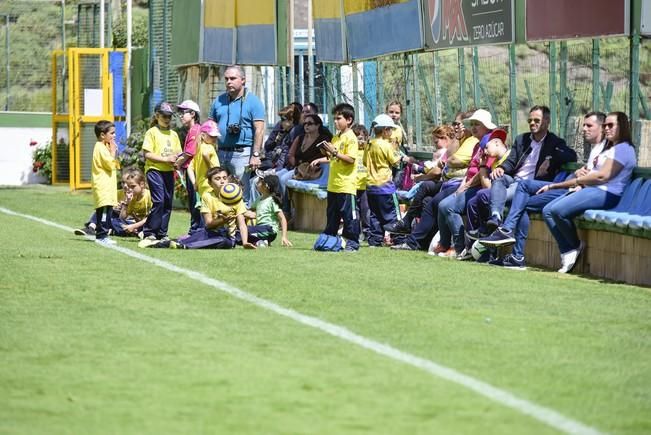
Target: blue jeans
284	175
237	162
450	220
196	220
383	211
422	234
559	213
502	190
524	201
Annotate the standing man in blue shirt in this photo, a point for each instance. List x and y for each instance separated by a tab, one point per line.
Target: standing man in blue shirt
241	120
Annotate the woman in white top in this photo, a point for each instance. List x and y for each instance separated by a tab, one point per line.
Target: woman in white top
600	189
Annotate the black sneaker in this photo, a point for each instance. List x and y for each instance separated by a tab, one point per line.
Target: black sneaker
475	234
398	227
85	231
493	223
402	247
500	237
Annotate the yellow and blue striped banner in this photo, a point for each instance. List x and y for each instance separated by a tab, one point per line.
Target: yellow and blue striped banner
380	27
240	31
329	36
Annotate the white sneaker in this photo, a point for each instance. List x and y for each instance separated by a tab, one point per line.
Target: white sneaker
147	242
106	241
568	259
262	244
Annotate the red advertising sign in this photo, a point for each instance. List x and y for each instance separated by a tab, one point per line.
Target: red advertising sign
563	19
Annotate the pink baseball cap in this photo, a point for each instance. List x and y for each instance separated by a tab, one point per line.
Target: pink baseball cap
189	105
210	128
498	133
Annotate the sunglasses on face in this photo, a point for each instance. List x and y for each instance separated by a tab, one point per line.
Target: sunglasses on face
309	123
457	124
610	125
534	120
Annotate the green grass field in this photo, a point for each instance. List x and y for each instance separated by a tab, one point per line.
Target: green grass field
96	341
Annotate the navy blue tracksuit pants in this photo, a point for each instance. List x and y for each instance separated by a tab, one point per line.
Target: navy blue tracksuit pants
161	187
342	206
383	211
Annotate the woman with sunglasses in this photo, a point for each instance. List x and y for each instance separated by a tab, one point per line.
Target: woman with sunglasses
600	189
304	151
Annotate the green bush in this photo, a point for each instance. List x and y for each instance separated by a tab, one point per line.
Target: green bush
140	31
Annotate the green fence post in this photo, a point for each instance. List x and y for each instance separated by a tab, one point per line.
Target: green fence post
475	77
553	96
634	85
353	68
595	74
563	114
380	86
418	125
513	91
428	94
461	57
437	89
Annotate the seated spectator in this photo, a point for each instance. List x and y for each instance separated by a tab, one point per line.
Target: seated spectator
600	189
459	145
421	235
515	228
450	219
538	154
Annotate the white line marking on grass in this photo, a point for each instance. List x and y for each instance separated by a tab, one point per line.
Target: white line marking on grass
545	415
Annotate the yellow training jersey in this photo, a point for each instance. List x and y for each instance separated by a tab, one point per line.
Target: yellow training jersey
343	176
379	158
210	203
362	174
463	153
140	208
162	142
397	138
201	166
104	179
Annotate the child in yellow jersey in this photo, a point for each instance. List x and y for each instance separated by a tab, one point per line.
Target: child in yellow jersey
223	216
161	148
104	179
380	157
205	158
342	179
138	204
89	227
362	176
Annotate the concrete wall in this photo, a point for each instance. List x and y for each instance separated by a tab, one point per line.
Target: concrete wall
17	131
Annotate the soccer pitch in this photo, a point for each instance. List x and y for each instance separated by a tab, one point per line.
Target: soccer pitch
287	340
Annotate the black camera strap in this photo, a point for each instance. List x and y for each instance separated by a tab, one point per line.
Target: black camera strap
228	113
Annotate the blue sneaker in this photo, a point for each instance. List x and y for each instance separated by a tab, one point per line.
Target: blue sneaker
499	237
509	262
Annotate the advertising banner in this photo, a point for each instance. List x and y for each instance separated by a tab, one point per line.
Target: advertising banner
329	31
460	23
561	19
380	27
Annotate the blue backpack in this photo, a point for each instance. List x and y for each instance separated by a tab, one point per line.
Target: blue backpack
327	243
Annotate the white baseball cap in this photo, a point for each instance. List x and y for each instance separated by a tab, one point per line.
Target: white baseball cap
483	116
383	120
189	105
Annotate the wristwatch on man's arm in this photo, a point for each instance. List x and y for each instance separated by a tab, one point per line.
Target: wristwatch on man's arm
255	154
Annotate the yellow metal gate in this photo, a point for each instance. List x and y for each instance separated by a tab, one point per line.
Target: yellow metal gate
82	95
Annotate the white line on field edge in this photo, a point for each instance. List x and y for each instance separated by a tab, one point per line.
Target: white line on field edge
545	415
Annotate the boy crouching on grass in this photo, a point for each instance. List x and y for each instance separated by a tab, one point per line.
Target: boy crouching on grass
342	179
104	179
